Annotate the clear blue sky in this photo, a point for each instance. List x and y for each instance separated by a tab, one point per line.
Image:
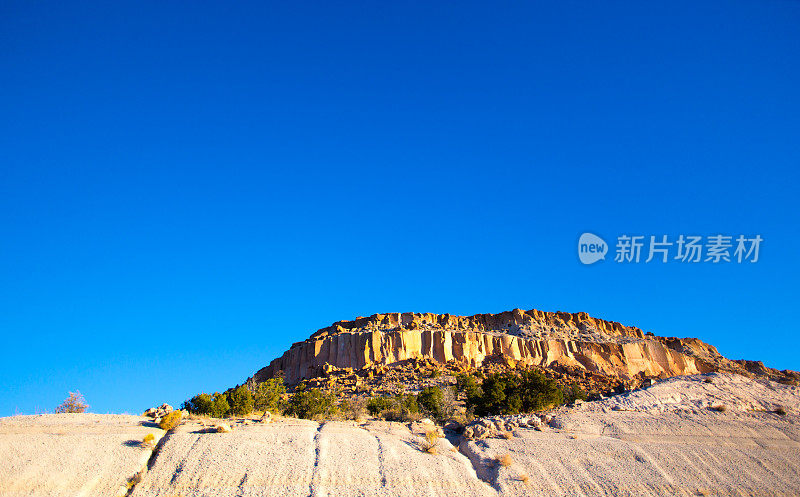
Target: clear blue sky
188	188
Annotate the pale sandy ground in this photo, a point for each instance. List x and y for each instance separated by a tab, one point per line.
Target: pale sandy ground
71	455
666	442
303	458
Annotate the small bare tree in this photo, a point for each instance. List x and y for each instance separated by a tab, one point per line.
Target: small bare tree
74	403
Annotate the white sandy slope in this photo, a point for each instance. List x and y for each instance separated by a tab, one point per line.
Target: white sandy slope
302	458
71	455
665	440
661	441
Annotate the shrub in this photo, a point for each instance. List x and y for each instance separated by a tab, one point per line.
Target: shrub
505	460
510	393
207	405
430	400
134	480
401	407
149	440
240	401
220	407
268	395
720	408
431	442
75	403
199	404
170	421
467	384
507	435
780	411
311	403
376	405
573	392
407	404
353	408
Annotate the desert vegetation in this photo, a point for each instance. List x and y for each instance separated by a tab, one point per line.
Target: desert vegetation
431	442
75	403
401	407
513	393
505	460
170	421
239	401
149	440
472	394
312	404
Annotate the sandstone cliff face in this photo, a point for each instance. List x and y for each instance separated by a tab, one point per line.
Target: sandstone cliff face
515	337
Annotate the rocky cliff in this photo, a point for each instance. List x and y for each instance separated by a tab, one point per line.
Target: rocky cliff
531	338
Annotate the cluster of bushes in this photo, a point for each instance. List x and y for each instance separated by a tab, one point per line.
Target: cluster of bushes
238	401
397	408
514	393
433	402
312	403
500	393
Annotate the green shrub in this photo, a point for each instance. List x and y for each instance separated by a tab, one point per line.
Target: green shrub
398	408
510	393
376	405
170	421
199	404
240	401
311	403
268	395
220	407
573	392
467	384
430	400
354	408
216	405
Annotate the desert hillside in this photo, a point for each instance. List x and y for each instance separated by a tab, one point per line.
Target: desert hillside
715	434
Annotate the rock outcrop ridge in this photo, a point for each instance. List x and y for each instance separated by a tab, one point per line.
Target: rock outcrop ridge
530	338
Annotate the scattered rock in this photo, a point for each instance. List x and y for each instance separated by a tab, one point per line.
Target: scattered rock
159	412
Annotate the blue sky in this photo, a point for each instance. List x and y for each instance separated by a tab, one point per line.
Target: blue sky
188	188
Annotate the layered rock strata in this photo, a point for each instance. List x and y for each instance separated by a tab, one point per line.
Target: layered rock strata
534	338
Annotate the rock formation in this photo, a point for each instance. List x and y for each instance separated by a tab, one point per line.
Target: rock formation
515	338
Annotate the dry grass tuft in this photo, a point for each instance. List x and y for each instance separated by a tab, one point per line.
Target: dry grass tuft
149	440
133	480
507	435
524	478
505	460
431	442
703	491
170	421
